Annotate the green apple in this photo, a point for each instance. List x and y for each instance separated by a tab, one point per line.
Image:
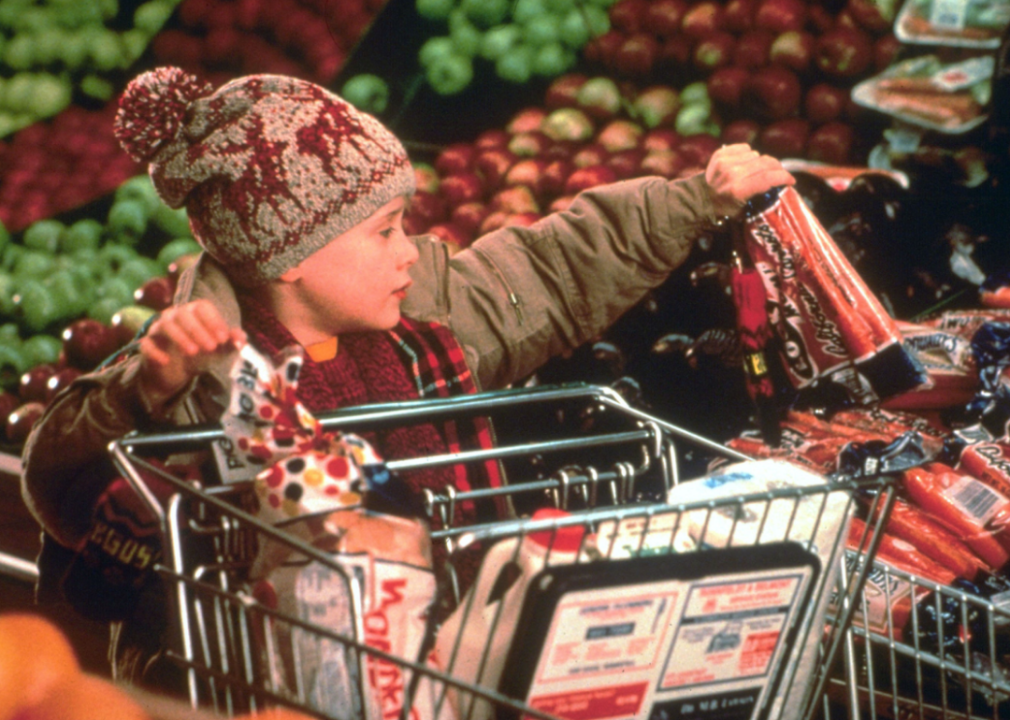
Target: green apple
52	94
105	51
434	9
49	44
569	124
499	40
435	48
450	74
10	334
97	87
8	287
171	221
113	255
104	308
117	289
542	30
553	59
127	221
574	29
174	249
141	189
517	65
135	42
692	119
72	297
152	15
367	92
34	264
466	38
560	7
13	365
486	13
19	52
597	19
36	305
44	235
74	52
84	233
41	349
526	10
10	256
139	270
696	92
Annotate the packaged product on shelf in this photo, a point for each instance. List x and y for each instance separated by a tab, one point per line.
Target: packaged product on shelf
960	23
923	91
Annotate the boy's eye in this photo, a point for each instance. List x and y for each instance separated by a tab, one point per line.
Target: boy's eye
387	233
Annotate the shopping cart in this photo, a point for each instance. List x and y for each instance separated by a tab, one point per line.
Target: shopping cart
718	646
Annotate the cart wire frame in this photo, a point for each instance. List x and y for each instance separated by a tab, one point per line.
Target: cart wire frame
226	639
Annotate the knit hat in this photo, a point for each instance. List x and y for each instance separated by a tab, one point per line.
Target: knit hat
269	168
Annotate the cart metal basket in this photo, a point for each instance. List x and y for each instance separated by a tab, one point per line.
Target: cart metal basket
611	467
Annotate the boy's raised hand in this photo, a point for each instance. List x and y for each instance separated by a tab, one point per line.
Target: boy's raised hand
184	341
736	173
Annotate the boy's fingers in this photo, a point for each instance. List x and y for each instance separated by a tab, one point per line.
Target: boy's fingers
178	337
197	331
212	321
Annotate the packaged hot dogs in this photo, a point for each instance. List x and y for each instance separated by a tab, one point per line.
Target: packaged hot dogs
899	553
969	508
836	337
949	364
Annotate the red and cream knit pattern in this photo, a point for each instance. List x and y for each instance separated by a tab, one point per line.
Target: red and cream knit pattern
269	168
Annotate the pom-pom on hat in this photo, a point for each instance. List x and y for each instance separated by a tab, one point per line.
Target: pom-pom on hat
269	168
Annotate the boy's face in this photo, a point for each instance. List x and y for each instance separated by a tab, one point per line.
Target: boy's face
358	280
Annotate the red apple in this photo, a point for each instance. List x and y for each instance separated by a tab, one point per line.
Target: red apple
824	102
591	154
626	163
637	55
741	131
521	219
455	159
21	420
602	49
665	163
844	19
620	135
528	172
555	176
725	86
492	165
492	221
738	16
753	48
885	51
660	139
831	143
452	235
563	90
88	342
491	139
529	143
675	53
793	49
714	51
568	123
869	16
664	17
778	16
702	19
182	263
844	53
562	203
561	150
785	138
526	120
411	226
514	200
586	177
819	19
60	380
426	177
628	16
599	98
655	106
697	149
32	385
462	188
8	403
772	93
157	293
469	216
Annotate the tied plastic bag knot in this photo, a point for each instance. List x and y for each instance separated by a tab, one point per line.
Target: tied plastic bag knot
306	470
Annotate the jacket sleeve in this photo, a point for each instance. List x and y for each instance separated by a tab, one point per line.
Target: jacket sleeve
518	296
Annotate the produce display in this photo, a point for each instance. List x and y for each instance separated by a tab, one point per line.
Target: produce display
56	50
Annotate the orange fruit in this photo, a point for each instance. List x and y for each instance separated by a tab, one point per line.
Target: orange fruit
86	697
35	657
276	713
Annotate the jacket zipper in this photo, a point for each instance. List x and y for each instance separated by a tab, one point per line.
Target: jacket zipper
512	297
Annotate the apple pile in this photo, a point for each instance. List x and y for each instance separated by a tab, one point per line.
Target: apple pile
589	132
223	39
779	72
521	39
59	165
52	50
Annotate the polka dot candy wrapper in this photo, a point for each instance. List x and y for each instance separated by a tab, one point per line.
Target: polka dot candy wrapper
300	468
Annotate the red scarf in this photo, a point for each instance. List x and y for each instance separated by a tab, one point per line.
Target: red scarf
413	360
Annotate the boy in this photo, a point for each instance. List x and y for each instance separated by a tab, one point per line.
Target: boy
298	201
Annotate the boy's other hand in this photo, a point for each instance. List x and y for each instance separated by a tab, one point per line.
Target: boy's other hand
737	173
180	344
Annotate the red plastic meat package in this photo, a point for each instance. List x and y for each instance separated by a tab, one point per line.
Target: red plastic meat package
834	335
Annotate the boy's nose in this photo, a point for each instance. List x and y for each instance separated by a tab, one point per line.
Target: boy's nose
406	251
